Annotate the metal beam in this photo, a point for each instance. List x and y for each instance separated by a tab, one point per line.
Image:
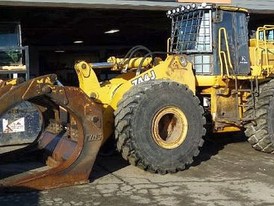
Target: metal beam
255	6
113	4
252	5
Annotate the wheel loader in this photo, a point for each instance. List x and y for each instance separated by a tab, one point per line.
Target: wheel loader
158	107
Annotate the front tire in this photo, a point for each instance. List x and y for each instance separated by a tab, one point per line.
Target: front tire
159	126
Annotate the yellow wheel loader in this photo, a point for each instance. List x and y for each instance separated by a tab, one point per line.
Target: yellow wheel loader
213	77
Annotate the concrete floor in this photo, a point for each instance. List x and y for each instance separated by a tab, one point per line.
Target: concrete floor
228	172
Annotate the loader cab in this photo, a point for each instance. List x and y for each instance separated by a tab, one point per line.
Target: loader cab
10	37
215	38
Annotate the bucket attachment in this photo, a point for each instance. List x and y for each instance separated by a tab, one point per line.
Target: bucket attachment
65	150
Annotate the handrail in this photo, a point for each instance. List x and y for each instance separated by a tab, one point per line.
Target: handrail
168	45
261	46
227	56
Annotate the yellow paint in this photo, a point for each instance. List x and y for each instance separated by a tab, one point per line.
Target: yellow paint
121	63
88	80
227	129
262	53
224	54
11	82
175	68
232	8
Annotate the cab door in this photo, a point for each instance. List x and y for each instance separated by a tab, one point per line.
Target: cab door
231	43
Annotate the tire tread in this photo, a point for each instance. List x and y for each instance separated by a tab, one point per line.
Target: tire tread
126	107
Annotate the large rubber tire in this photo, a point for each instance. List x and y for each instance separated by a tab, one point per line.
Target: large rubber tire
141	116
260	131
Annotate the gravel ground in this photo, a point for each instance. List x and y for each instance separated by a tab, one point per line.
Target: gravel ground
228	172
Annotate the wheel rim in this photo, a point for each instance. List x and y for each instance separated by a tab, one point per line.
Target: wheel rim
169	127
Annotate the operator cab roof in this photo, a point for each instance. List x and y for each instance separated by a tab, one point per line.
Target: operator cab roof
192	7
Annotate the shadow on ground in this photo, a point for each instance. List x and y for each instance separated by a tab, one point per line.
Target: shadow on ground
19	196
108	161
214	143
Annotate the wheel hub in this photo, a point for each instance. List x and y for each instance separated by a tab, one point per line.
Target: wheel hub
169	127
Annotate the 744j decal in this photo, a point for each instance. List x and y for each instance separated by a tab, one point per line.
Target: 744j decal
146	77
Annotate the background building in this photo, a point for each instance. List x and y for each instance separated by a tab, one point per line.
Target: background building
61	32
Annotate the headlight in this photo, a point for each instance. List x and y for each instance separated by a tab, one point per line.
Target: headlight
204	4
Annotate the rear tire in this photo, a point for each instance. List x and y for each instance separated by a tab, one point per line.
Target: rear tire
260	131
159	126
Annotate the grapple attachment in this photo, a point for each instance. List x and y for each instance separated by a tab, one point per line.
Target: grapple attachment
65	150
